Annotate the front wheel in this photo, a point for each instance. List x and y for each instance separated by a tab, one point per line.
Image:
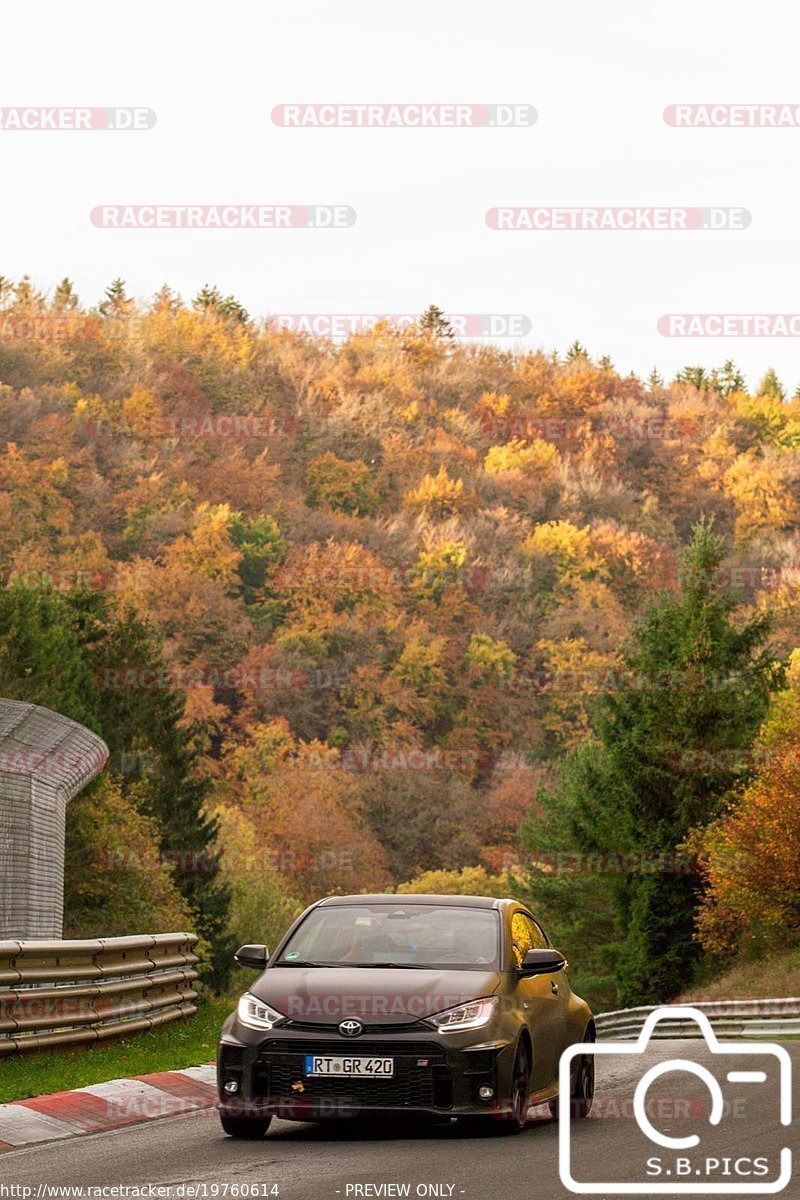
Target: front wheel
581	1092
520	1090
249	1128
515	1118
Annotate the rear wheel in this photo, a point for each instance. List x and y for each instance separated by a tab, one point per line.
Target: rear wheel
581	1091
250	1128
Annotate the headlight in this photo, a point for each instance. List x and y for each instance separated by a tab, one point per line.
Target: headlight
255	1014
466	1016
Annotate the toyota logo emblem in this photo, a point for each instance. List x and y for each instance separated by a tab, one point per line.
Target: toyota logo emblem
351	1028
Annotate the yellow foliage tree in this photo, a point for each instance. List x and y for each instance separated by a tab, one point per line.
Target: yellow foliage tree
489	656
763	488
536	459
208	549
565	548
261	906
469	881
572	675
438	496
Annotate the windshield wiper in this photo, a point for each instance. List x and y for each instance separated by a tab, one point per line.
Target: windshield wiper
306	962
398	966
302	962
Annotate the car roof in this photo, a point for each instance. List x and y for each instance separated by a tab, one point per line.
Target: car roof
418	898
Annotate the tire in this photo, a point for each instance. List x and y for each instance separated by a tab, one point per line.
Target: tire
520	1091
249	1128
581	1093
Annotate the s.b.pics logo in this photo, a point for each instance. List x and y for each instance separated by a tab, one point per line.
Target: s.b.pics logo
689	1118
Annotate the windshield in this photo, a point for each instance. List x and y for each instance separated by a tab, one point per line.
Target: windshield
396	935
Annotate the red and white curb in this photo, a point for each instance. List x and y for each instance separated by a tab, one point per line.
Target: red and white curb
106	1106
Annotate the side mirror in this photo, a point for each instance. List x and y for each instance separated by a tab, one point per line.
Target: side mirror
256	957
542	962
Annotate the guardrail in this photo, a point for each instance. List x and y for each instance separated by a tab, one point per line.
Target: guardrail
60	993
729	1018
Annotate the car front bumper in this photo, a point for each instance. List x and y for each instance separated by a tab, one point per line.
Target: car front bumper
434	1073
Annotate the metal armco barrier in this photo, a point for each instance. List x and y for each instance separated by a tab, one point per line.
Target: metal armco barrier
729	1018
61	993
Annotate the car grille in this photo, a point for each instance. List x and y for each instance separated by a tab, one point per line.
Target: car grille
332	1030
414	1086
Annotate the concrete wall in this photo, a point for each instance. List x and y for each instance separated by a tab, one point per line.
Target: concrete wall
45	760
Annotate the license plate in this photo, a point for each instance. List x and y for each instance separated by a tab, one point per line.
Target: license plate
320	1064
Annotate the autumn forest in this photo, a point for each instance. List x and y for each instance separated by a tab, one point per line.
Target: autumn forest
411	612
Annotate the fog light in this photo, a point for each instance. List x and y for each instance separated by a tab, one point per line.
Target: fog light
232	1087
485	1093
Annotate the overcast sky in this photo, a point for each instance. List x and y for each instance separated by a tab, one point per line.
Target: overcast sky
599	76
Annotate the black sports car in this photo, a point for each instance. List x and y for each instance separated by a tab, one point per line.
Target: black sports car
453	1006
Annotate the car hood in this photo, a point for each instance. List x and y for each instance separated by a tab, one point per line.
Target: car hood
376	996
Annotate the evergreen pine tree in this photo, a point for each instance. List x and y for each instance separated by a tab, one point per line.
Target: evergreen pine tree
771	386
434	322
173	792
728	379
117	303
576	351
695	376
210	300
64	297
68	652
26	297
165	300
570	898
41	656
695	688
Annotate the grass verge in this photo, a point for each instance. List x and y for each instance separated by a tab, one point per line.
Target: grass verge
762	979
170	1047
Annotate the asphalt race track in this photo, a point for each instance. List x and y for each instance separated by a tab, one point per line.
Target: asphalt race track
341	1160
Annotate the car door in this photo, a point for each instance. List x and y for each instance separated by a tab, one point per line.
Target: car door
543	1001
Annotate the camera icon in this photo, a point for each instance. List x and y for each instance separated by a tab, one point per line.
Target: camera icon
680	1172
